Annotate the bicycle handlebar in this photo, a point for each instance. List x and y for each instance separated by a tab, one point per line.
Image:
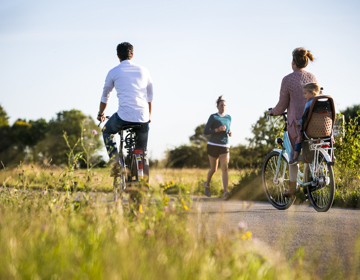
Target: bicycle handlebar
282	114
106	117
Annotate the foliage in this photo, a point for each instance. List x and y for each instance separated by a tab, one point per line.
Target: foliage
51	235
245	189
199	138
348	155
351	112
265	132
193	155
241	156
40	141
187	156
72	122
4	119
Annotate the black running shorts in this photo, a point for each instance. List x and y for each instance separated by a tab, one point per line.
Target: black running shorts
215	151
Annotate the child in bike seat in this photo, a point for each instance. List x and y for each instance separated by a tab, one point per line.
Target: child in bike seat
310	90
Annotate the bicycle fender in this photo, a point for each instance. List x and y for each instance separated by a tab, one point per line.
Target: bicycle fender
326	155
283	153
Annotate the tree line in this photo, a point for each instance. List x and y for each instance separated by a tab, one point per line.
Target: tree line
250	155
40	141
43	142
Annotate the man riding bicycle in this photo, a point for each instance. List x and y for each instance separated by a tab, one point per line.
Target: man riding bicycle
134	89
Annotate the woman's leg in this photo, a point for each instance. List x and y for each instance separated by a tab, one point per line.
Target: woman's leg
224	163
213	167
293	171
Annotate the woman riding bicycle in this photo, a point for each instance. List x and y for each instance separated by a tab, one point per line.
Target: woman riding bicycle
292	99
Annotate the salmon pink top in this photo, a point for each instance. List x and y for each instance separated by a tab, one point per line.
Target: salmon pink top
292	98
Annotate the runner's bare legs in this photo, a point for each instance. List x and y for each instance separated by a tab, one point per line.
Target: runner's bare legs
214	162
224	163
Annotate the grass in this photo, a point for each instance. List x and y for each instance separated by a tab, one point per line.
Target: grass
56	235
35	177
243	184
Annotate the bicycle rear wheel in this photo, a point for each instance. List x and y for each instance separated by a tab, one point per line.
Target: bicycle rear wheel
274	187
134	173
322	194
120	181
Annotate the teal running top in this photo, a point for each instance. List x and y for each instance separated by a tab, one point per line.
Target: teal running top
218	138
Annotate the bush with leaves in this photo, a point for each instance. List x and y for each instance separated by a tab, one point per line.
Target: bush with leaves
348	154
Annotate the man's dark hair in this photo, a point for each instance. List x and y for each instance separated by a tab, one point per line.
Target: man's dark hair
124	50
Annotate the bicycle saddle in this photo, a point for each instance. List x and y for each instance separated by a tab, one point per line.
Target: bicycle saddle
130	126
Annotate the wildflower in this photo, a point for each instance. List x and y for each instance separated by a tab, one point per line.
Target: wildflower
166	200
166	208
44	192
141	209
256	240
185	207
172	182
248	235
242	226
147	184
148	232
57	206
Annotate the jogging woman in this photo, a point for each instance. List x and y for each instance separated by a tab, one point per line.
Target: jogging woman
218	127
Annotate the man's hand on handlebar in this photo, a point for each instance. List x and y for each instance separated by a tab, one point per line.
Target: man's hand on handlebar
101	117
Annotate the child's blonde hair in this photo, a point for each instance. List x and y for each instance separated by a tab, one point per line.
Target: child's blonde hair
314	88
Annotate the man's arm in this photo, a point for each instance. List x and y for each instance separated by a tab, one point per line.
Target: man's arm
102	108
150	110
108	87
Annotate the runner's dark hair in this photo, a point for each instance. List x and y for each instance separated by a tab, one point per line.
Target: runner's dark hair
219	100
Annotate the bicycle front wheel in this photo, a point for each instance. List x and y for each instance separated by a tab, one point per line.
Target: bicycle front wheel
322	192
275	179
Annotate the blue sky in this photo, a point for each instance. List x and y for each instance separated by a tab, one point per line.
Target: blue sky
55	56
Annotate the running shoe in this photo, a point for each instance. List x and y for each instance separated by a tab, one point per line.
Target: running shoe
207	190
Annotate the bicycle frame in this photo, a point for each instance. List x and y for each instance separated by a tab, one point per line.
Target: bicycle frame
286	150
318	147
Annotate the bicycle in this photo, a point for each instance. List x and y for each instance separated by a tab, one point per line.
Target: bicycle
317	180
130	179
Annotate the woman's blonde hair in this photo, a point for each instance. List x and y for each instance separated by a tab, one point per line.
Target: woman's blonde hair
314	88
301	57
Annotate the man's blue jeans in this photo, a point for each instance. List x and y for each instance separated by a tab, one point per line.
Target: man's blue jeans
113	126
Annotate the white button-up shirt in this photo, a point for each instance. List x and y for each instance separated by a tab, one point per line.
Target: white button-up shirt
134	89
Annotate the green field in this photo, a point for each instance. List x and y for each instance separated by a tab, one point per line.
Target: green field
56	224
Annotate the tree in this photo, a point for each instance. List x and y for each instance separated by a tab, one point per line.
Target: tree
199	137
193	155
187	156
4	119
265	132
351	112
72	122
37	140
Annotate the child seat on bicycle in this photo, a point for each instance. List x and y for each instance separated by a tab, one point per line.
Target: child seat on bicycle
317	122
319	118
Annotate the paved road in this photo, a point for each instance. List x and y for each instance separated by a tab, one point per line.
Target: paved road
328	238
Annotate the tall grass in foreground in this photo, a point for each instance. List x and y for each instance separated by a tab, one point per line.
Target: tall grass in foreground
51	235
